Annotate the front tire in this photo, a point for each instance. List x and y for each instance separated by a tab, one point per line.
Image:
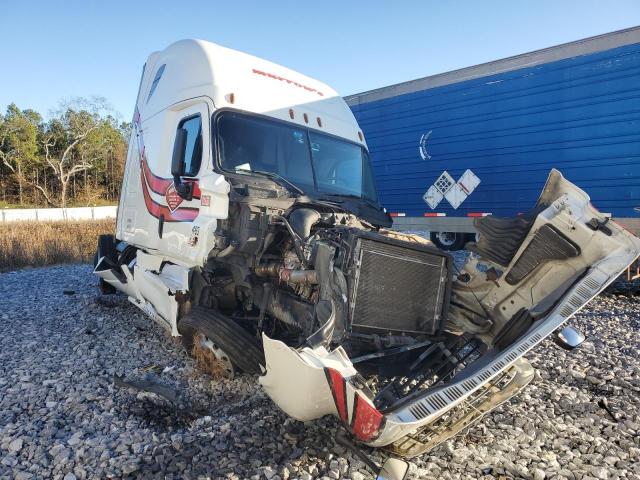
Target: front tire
222	339
448	240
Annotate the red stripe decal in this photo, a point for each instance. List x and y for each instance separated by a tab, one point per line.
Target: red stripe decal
162	186
338	389
156	184
367	420
196	189
185	214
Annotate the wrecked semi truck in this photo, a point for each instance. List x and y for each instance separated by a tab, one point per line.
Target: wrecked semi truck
478	141
249	224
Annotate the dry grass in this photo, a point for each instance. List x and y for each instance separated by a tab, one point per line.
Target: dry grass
25	244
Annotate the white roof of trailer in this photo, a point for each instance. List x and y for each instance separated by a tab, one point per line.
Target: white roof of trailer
196	68
585	46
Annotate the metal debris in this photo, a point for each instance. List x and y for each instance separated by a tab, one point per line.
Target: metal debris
148	385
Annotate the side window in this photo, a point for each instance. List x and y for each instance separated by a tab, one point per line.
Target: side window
156	80
193	145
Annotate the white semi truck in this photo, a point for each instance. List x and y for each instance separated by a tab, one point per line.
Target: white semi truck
248	223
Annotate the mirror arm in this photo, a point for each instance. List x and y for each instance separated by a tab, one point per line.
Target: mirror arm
185	190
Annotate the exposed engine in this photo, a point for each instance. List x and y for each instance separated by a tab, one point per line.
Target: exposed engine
311	273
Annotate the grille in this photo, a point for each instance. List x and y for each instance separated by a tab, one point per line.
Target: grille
398	289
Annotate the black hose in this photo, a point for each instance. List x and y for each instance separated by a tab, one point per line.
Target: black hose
340	438
228	250
296	240
302	219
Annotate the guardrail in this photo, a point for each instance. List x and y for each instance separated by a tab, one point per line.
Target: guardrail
52	214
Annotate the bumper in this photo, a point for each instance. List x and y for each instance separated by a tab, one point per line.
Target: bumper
492	394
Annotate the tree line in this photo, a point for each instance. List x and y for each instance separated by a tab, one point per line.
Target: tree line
75	157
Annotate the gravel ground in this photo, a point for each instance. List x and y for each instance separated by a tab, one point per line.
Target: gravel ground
62	417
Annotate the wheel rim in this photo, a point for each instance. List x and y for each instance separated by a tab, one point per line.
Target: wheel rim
211	357
447	238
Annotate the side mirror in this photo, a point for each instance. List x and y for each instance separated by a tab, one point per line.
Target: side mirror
569	338
393	469
185	190
177	160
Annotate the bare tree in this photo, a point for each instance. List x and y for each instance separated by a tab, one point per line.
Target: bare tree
66	164
77	154
71	143
7	153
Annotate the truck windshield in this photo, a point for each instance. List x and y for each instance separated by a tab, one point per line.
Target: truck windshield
314	162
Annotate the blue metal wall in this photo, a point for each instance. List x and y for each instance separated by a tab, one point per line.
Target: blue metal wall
580	115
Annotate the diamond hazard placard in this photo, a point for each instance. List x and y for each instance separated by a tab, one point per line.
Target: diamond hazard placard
455	196
444	182
433	197
454	192
468	182
173	198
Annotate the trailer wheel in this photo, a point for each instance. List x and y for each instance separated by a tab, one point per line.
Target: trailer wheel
106	248
448	240
220	344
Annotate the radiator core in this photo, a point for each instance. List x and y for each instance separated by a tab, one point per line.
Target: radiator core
398	289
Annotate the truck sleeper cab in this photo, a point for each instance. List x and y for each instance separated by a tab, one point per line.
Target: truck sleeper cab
249	225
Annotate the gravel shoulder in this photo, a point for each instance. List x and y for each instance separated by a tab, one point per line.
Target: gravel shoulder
61	416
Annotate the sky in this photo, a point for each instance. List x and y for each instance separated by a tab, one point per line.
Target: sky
55	50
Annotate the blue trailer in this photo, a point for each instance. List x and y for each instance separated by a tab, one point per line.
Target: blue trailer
482	140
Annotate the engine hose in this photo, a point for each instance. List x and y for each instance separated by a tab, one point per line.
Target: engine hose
228	250
286	275
296	240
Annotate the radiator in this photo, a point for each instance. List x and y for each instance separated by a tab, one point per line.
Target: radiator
399	289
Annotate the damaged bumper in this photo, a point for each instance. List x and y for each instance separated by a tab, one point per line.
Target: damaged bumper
308	383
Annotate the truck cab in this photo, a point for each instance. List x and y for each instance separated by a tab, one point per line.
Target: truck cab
249	225
222	105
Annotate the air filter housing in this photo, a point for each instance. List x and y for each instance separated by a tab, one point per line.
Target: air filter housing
398	286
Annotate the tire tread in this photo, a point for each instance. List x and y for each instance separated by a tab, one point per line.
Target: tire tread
243	349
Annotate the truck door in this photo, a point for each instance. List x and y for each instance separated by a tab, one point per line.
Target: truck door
155	217
177	217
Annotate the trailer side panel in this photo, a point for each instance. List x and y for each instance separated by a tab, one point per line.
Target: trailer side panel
580	115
